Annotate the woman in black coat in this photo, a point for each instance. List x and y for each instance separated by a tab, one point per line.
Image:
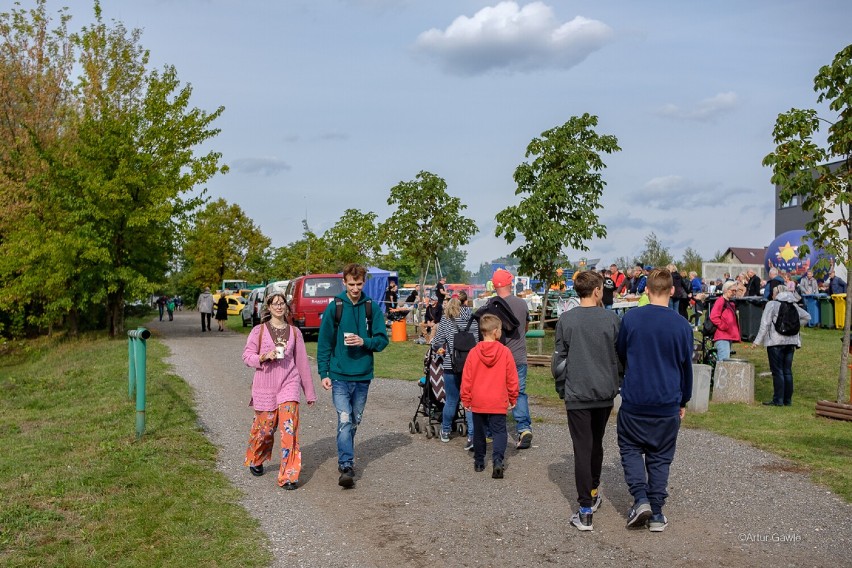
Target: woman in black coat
222	312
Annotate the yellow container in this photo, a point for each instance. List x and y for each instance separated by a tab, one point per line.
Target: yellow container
839	310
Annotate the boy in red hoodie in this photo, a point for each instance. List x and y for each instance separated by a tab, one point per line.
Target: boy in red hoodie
489	388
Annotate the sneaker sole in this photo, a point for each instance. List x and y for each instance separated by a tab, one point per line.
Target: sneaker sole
525	441
657	528
582	527
597	503
346	482
643	513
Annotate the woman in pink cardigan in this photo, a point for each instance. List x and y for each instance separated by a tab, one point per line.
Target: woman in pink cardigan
724	316
276	350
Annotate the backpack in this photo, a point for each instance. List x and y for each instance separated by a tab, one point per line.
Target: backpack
787	320
463	342
338	313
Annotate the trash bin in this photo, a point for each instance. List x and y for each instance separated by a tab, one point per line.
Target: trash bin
750	310
812	306
839	310
826	312
398	331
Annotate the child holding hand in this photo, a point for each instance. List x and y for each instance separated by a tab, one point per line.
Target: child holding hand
489	388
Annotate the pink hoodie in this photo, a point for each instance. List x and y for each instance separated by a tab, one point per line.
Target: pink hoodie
278	381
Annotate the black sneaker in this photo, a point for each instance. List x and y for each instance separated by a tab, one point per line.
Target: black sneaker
638	515
497	472
477	467
468	445
256	470
525	440
583	521
347	478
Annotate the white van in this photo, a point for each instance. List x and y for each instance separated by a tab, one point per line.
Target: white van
251	311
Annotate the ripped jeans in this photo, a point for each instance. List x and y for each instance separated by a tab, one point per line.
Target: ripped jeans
349	399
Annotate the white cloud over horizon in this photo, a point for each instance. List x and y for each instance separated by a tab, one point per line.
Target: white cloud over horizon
260	166
705	110
513	38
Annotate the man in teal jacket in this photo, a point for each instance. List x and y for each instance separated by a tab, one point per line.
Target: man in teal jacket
345	350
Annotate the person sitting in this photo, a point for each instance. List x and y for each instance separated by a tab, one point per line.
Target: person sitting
431	318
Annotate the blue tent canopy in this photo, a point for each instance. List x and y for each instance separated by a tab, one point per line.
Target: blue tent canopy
377	283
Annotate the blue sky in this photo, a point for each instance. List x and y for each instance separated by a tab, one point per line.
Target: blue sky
330	103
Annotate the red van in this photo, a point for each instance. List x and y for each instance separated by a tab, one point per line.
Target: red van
308	297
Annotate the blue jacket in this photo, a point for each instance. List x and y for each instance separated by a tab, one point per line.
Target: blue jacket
654	346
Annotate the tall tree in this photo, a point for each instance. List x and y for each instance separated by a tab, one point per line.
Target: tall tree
655	253
799	168
106	209
452	262
691	261
308	255
562	186
223	243
354	238
426	221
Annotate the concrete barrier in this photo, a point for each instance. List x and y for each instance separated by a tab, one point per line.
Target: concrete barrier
700	400
733	381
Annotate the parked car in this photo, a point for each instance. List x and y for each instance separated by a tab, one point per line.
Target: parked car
309	295
254	304
235	303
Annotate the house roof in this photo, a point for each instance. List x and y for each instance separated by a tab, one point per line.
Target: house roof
747	255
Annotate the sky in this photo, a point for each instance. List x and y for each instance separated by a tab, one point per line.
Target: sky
330	103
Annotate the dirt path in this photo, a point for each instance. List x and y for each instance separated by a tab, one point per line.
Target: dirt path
418	502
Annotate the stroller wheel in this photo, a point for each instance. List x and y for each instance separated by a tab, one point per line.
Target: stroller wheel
430	432
461	428
417	427
411	427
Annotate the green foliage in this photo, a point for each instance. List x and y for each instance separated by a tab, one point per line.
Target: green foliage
452	265
799	169
354	238
309	255
427	220
102	174
562	189
223	243
655	254
691	261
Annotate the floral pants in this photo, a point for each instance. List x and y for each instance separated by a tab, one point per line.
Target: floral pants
261	440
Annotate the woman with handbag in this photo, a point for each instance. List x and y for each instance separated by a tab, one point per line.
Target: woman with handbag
276	350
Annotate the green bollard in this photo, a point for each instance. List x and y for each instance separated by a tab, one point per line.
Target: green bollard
137	340
131	368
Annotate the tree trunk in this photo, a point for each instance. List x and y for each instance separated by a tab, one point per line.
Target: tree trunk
842	389
115	313
543	315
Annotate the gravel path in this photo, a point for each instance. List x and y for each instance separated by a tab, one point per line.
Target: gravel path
418	502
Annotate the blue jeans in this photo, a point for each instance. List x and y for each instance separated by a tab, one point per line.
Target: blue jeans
521	412
349	398
781	365
674	303
723	349
451	403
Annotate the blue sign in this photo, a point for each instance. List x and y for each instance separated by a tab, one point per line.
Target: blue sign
783	254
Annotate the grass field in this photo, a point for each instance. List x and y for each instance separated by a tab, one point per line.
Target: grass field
77	489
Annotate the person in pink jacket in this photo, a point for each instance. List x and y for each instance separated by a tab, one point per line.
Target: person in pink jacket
489	388
276	350
724	317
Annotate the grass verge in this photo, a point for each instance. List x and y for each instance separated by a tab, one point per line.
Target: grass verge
77	489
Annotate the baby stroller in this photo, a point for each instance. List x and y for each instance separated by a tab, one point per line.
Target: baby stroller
430	407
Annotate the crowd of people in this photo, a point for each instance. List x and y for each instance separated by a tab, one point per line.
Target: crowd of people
643	354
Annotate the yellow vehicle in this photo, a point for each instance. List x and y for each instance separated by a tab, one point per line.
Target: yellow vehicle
236	303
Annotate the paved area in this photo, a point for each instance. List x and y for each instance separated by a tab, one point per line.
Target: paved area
419	503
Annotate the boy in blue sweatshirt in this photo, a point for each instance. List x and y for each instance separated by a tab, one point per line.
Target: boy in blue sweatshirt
345	361
655	347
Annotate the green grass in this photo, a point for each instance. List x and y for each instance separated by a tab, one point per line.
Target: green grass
819	446
78	489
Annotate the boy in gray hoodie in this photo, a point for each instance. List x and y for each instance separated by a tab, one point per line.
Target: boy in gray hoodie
587	378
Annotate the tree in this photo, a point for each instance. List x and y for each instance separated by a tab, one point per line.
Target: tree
223	243
452	262
308	255
563	188
105	209
623	263
799	168
354	238
426	221
655	254
692	261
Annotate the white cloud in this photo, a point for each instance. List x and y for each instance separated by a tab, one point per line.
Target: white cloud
514	38
706	110
262	166
676	192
